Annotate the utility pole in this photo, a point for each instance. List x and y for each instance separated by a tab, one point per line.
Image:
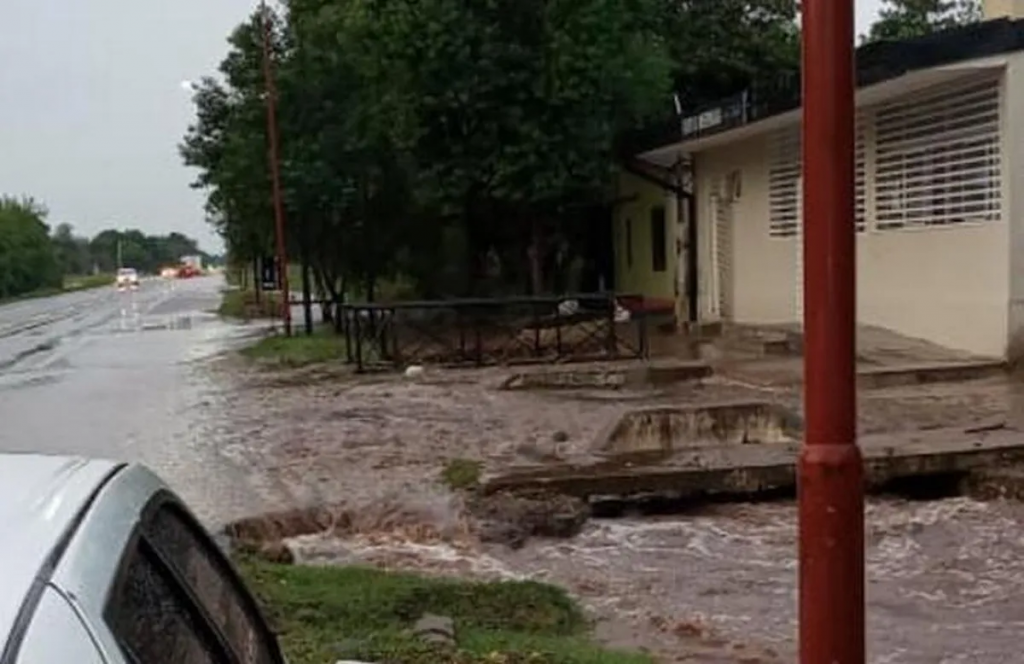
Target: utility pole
831	469
275	169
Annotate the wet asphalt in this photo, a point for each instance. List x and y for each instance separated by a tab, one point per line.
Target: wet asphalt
104	373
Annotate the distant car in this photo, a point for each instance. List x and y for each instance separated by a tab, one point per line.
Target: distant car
103	564
127	277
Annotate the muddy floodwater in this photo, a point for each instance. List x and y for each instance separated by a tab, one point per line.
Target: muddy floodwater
717	585
149	376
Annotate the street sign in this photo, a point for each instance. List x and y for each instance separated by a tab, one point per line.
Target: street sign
270	280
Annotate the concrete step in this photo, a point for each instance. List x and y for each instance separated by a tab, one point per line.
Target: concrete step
926	373
746	470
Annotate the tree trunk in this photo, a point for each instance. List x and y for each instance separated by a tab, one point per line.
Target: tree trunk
307	295
536	254
257	281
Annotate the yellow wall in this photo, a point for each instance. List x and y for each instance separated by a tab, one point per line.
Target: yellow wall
639	278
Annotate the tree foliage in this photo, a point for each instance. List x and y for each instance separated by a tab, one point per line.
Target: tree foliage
27	259
904	19
460	145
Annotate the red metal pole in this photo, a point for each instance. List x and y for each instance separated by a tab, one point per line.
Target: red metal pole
831	468
275	171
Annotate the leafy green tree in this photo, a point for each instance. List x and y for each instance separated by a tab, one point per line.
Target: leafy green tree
227	145
517	106
459	144
723	47
904	19
111	249
73	255
28	261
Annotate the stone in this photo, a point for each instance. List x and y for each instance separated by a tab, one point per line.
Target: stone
512	518
276	552
435	629
560	436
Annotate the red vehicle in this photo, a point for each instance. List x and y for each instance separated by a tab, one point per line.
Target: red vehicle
187	272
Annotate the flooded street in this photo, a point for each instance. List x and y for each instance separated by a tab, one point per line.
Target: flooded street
144	376
122	375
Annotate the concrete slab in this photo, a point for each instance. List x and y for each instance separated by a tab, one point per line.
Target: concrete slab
731	469
608	376
925	373
668	429
788	372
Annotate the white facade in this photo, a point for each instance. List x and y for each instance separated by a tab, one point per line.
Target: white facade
940	210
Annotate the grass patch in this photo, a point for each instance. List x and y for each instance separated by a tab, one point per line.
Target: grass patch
237	303
71	284
77	283
299	350
323	614
461	474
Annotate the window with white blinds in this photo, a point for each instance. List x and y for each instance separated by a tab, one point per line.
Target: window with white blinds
783	173
937	158
860	199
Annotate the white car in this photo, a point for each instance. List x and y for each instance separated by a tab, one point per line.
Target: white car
103	564
127	277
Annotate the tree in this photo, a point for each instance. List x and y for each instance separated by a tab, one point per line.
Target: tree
904	19
73	255
111	249
723	47
517	106
28	261
459	145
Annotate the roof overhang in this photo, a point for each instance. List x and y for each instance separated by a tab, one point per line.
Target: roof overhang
867	96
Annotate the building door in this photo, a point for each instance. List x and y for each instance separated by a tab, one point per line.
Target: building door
720	295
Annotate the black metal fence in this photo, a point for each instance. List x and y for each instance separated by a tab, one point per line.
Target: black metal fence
480	332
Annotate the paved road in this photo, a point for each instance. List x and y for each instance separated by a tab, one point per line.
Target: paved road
112	374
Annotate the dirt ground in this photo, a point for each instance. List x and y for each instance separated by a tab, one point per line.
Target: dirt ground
708	587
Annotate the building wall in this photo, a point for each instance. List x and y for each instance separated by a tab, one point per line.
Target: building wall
763	270
948	284
634	273
1013	196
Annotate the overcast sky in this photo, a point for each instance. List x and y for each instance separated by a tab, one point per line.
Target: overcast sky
92	110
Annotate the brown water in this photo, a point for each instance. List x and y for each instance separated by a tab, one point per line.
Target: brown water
945	578
715	586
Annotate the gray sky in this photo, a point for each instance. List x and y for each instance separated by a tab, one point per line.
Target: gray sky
92	107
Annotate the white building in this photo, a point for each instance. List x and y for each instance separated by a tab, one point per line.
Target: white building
940	193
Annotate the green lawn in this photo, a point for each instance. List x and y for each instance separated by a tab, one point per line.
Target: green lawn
71	284
237	303
326	614
299	350
77	283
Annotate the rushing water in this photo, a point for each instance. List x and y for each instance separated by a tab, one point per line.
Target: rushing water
945	578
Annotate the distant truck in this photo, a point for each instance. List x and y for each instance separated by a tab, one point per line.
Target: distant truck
194	262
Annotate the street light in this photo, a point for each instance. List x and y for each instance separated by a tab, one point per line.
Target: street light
274	160
831	469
